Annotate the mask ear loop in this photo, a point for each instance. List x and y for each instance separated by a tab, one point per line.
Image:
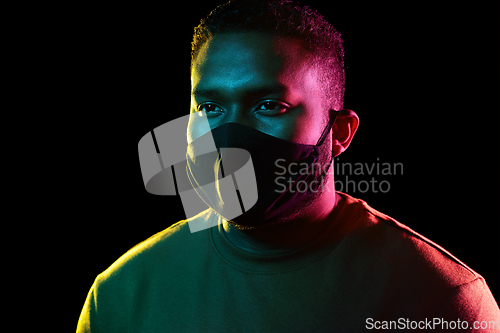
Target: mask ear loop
322	138
333	117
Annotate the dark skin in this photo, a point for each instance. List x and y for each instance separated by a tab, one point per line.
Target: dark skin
268	83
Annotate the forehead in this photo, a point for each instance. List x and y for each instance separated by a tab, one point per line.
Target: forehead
249	60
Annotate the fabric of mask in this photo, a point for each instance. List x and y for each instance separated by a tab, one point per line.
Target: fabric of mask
283	170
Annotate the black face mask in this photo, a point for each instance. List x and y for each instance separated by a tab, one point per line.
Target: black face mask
285	172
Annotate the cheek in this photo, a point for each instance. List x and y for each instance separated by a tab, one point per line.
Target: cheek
308	119
308	127
198	126
315	115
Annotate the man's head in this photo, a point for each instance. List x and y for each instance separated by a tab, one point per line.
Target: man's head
275	67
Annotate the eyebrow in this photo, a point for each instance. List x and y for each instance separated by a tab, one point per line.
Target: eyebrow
262	91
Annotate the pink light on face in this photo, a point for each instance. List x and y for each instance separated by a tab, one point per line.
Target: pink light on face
231	68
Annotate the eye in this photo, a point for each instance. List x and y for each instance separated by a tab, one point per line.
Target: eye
272	108
210	109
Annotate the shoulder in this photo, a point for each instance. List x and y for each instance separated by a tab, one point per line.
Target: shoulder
143	272
155	253
405	251
416	274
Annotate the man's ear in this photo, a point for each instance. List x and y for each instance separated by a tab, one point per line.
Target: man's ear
344	128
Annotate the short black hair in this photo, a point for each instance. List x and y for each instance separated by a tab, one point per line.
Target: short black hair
282	18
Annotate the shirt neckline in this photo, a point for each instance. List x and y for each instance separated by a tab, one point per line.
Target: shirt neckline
294	259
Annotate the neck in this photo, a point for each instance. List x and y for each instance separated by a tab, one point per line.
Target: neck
282	237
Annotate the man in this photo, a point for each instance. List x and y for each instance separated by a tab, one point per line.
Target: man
268	76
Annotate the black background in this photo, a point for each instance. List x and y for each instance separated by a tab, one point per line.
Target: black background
422	77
